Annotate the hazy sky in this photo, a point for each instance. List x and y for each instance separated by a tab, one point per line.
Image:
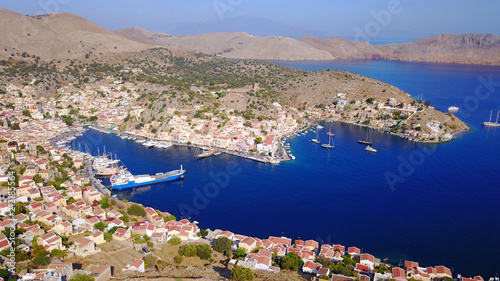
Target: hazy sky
288	17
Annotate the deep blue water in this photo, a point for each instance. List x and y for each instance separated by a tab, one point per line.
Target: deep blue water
443	210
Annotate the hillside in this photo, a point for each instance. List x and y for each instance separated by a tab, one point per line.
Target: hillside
239	45
58	35
344	48
473	48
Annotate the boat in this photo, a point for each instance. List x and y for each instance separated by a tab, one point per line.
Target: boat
452	109
217	152
206	152
370	149
330	143
316	140
492	124
368	139
291	156
125	179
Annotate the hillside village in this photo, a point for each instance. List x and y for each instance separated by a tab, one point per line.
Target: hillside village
59	219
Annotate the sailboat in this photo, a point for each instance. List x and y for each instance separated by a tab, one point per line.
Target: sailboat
370	149
316	140
368	138
330	143
492	124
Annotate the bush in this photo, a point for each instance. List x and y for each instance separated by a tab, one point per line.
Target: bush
188	250
100	226
223	245
178	259
204	251
136	210
175	241
241	273
291	261
41	260
79	277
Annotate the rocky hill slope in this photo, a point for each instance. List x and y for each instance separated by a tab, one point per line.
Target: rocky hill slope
58	35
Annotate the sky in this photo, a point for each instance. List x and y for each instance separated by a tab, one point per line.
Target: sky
294	18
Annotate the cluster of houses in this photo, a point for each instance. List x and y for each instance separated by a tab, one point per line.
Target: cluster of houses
261	251
378	115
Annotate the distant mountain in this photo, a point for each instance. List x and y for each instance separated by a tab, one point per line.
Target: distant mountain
473	48
64	35
238	45
344	48
58	35
251	25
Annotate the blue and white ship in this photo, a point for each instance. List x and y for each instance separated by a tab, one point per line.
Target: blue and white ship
125	179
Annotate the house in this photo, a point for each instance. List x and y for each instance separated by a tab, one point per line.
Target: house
361	268
281	240
325	271
368	260
311	245
409	264
116	222
158	237
443	271
5	208
227	234
137	265
262	261
121	234
65	229
97	238
50	241
339	277
354	251
84	247
99	272
398	274
90	222
311	267
114	214
339	248
248	244
4	244
62	269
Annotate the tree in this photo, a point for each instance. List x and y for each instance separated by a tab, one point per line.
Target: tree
291	261
37	178
41	260
27	113
241	273
203	233
258	140
79	277
204	251
240	253
100	226
136	210
174	241
188	250
223	245
178	259
58	253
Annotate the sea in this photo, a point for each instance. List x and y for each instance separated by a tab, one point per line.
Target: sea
434	204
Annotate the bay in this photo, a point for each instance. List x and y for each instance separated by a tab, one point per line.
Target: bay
443	210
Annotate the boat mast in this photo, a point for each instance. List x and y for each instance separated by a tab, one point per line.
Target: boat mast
497	116
490	115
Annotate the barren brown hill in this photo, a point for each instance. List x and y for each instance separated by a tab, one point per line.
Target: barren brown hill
144	36
344	48
473	48
238	45
58	35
